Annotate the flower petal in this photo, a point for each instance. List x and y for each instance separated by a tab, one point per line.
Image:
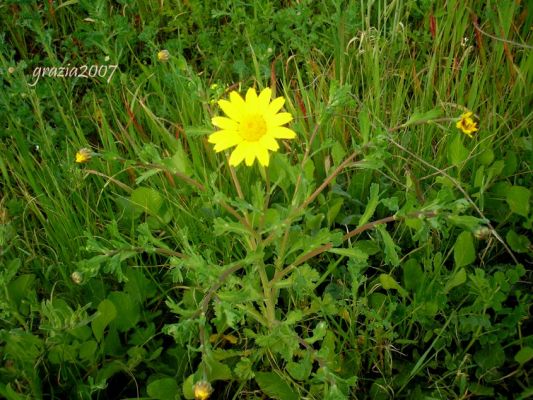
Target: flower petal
279	119
231	109
222	136
227	142
280	132
251	154
276	105
225	123
251	99
264	98
262	156
268	142
239	153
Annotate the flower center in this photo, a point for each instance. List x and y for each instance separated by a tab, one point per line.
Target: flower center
253	128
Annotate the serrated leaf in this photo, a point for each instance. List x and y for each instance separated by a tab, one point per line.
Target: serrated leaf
464	252
518	199
274	386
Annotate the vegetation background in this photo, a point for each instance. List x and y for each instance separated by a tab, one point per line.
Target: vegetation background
383	253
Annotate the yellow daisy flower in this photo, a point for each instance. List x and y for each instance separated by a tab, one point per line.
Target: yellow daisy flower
467	124
83	155
253	125
202	390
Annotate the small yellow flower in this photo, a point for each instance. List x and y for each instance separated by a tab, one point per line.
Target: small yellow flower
467	124
253	125
163	55
83	155
202	390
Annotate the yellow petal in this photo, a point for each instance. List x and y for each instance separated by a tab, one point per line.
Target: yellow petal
251	154
264	98
231	110
262	156
225	123
279	119
276	105
251	98
227	142
239	153
222	136
280	132
269	143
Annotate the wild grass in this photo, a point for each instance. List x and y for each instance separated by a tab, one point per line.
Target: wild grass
382	254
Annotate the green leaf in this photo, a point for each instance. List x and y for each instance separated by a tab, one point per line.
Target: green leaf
364	125
391	256
301	370
463	250
128	312
147	199
106	313
412	274
490	357
519	243
457	279
163	389
518	199
457	153
524	355
274	386
179	162
418	116
371	205
388	282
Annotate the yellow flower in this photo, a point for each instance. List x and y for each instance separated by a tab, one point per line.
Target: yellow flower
467	124
253	126
202	390
83	155
163	55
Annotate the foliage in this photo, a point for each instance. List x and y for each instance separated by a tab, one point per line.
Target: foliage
381	254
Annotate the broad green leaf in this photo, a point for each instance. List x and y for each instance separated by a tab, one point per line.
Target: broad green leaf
147	199
274	386
188	387
467	222
391	256
88	350
458	278
163	389
457	153
524	355
352	252
518	199
179	162
371	205
418	116
412	274
20	288
463	250
107	313
519	243
388	282
128	312
491	356
300	370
